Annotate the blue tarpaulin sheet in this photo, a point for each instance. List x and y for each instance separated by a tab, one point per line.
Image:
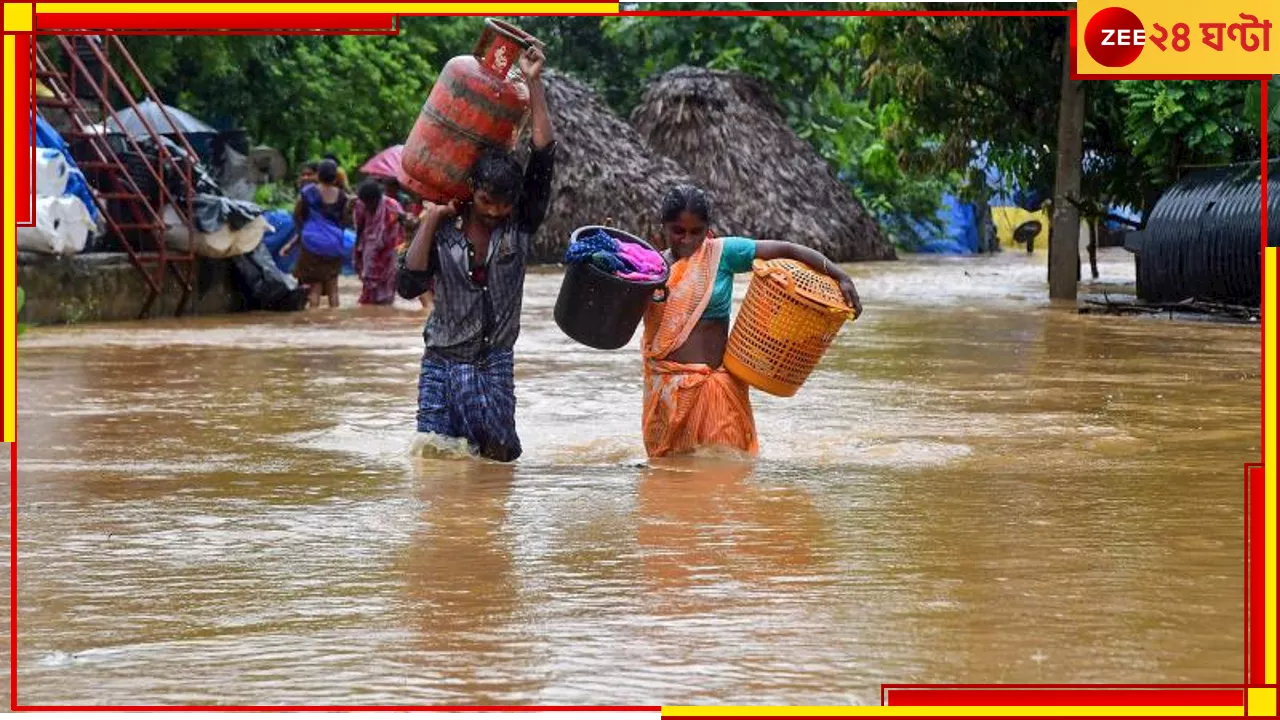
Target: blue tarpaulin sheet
46	137
348	257
959	229
274	240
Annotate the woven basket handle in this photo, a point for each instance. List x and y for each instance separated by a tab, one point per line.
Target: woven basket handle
763	271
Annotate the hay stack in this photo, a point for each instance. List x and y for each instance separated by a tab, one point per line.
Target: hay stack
603	170
725	130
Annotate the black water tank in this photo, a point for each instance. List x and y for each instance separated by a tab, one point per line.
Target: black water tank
1203	239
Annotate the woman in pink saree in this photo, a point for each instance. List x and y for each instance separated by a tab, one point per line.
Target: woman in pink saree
379	232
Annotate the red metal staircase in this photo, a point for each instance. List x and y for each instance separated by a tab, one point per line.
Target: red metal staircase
135	218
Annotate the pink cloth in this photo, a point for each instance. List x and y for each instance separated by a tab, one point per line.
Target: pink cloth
378	234
647	263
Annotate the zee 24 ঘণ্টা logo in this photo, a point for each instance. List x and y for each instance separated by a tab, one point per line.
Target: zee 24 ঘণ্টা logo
1115	37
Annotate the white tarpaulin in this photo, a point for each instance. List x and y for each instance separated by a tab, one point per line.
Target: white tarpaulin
221	243
62	226
51	173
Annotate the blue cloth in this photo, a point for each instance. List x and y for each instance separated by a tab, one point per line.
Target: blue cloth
585	248
475	401
282	221
608	262
322	230
604	251
46	137
736	256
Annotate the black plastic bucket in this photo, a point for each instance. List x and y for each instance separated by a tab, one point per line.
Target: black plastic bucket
601	310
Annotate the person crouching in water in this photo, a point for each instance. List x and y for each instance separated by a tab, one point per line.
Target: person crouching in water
477	256
379	233
690	400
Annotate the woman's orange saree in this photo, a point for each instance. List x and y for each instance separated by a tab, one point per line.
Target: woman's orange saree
690	406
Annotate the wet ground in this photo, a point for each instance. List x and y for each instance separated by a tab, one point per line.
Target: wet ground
972	488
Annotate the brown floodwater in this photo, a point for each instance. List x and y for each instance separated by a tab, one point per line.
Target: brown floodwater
973	487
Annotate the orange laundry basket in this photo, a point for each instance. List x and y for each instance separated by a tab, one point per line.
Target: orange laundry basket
788	319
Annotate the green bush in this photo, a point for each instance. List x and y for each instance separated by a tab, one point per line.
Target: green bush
275	196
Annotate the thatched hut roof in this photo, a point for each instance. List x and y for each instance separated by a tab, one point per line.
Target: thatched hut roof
603	169
726	130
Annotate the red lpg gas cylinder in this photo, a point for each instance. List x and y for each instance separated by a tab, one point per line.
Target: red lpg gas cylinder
473	106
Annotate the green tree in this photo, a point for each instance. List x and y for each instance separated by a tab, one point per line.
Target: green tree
307	95
899	106
581	47
1253	109
974	83
994	83
1170	125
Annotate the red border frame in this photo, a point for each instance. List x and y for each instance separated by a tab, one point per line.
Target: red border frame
920	695
25	182
1255	576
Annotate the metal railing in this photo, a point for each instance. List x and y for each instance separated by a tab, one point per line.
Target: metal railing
148	215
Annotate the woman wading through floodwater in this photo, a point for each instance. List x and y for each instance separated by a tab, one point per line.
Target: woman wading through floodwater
319	216
690	400
379	233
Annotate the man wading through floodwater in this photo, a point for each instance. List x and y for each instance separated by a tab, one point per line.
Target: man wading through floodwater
477	255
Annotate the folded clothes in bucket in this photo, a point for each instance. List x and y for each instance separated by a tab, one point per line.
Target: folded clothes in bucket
628	261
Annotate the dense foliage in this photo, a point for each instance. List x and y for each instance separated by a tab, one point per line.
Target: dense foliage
901	107
306	95
994	83
813	65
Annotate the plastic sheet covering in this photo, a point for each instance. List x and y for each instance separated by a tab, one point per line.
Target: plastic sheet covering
51	173
960	229
214	211
62	226
223	241
281	230
46	137
266	286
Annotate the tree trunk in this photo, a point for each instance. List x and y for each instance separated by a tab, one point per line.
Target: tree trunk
1064	247
1093	245
982	211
